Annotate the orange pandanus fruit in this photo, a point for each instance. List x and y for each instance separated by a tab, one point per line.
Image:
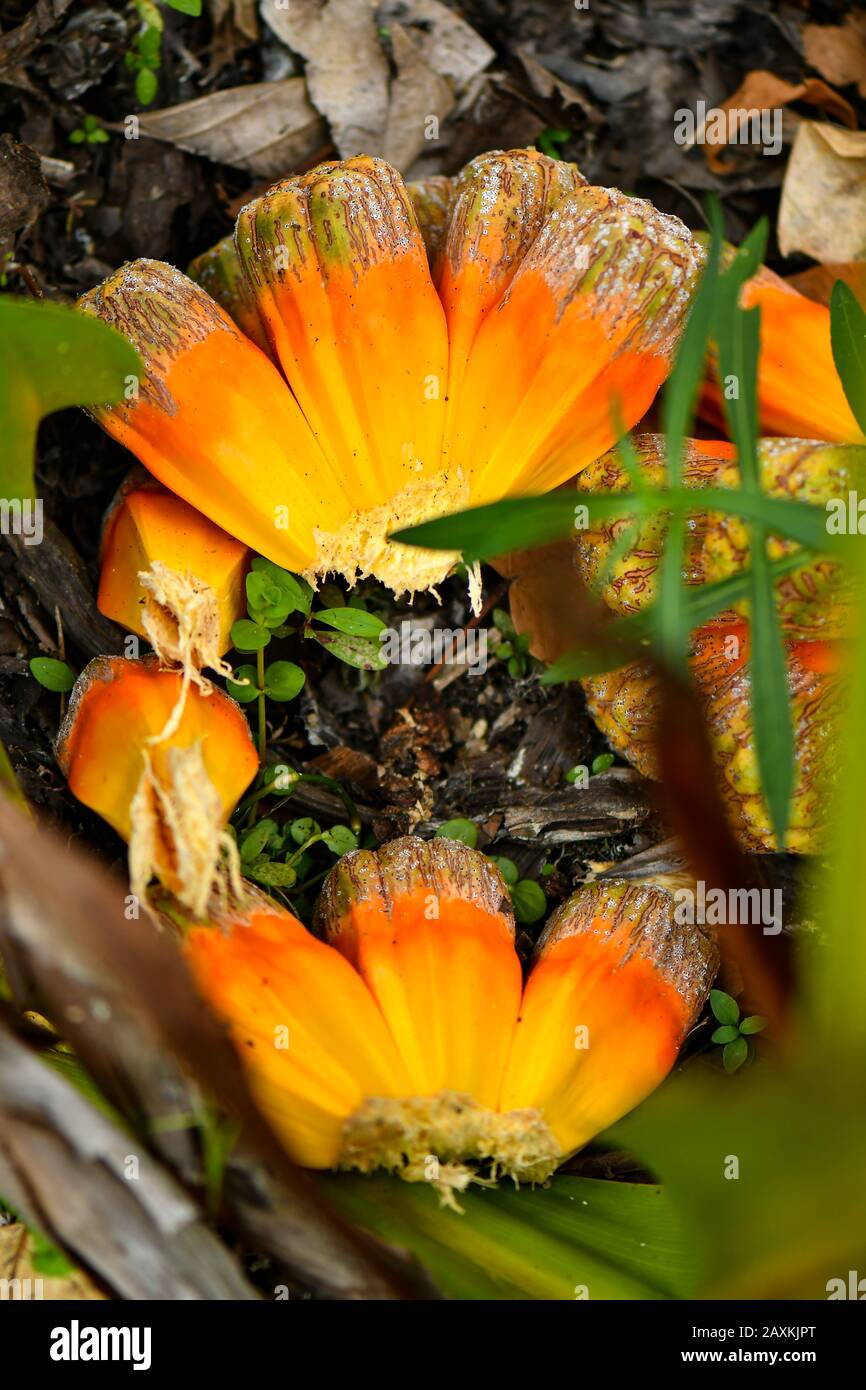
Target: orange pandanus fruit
812	603
799	391
407	1040
171	576
168	795
393	392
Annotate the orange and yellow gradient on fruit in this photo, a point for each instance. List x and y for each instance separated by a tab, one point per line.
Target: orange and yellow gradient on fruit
169	575
168	796
393	392
407	1031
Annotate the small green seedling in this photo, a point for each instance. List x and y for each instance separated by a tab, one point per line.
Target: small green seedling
735	1033
513	646
90	132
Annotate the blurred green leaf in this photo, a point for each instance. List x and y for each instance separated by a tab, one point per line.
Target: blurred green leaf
506	867
738	336
146	86
271	874
766	1175
735	1054
611	1239
848	337
754	1024
623	638
52	357
520	523
47	1259
671	625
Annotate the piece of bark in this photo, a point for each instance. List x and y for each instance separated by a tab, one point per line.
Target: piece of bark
24	194
57	575
613	802
68	1171
15	46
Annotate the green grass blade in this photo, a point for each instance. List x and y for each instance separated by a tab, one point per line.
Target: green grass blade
738	335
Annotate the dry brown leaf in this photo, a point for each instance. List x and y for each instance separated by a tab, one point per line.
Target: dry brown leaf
764	91
417	93
25	1280
546	85
242	12
838	51
268	128
446	43
817	282
346	70
543	597
823	208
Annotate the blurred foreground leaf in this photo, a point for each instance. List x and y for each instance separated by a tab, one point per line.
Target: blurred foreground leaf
51	357
611	1239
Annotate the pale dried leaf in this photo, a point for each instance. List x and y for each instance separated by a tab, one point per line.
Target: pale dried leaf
823	208
416	94
268	128
446	42
838	51
346	70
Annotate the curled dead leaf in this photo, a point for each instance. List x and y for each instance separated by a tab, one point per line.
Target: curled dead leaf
823	208
266	128
764	91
